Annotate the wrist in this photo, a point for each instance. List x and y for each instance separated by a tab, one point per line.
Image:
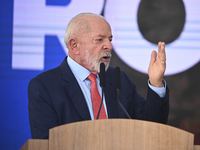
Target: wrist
159	84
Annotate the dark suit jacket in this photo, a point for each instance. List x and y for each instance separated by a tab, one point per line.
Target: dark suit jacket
55	98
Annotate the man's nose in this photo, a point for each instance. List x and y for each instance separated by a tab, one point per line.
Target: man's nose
108	46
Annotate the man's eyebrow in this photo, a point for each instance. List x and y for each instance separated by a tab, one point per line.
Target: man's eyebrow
104	36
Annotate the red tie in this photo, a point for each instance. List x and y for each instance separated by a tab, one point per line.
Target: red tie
96	98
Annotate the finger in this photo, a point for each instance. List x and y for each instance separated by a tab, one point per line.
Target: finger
161	51
153	57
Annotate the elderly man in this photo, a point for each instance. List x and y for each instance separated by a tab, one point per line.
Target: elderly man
71	92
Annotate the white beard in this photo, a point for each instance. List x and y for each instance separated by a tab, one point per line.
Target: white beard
95	63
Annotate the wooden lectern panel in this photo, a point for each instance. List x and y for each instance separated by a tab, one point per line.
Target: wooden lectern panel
36	144
119	134
196	147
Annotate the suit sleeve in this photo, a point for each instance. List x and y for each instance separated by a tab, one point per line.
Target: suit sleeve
157	107
42	116
153	108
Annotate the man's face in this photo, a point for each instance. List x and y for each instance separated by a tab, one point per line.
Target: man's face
96	46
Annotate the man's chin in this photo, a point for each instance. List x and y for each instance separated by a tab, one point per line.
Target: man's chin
97	69
106	66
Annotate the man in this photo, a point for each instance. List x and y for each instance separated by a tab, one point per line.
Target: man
63	95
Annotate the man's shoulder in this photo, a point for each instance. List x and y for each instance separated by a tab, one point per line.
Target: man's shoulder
49	73
53	73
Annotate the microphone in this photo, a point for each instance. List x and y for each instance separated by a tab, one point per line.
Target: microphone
102	75
118	87
102	84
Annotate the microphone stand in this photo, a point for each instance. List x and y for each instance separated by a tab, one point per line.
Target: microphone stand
124	110
102	84
100	104
118	87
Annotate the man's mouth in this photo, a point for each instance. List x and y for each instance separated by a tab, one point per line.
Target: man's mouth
105	58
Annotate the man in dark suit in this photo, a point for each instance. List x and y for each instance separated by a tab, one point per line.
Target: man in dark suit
62	95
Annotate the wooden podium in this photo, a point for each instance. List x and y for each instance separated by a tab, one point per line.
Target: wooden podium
114	134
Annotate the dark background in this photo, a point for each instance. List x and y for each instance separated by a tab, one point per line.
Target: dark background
166	20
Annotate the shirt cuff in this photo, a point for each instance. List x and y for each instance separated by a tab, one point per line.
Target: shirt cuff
161	91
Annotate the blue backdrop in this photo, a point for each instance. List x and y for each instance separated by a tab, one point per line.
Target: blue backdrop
14	124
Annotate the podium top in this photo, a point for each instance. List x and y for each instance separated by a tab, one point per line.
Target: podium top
119	134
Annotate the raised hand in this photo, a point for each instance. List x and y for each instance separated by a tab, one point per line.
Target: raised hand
157	66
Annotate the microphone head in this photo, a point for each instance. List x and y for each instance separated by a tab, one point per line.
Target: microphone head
117	78
102	75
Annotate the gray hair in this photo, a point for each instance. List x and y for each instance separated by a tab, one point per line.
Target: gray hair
78	24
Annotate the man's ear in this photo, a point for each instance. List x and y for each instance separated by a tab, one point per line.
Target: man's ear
73	45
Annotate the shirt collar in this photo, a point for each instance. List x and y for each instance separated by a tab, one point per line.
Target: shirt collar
79	71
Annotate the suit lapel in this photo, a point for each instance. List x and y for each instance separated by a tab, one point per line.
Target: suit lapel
74	91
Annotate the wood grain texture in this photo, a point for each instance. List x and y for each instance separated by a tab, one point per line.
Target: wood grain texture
196	147
36	144
118	134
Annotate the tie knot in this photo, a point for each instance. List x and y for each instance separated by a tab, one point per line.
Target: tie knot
92	77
